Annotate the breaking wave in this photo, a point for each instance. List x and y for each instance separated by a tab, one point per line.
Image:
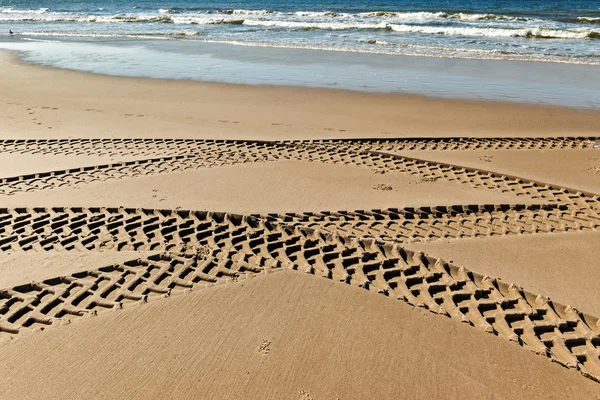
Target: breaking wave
305	20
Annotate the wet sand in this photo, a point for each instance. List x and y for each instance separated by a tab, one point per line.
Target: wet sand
44	102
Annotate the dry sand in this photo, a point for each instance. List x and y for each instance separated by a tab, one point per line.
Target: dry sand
285	336
563	266
285	186
25	164
19	268
292	333
575	168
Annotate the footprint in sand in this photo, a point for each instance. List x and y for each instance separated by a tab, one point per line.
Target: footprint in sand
265	348
305	395
381	186
595	170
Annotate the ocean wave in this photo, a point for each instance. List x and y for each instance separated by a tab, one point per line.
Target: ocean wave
248	12
424	15
138	18
333	26
582	20
298	16
10	10
66	17
322	14
540	33
154	35
416	16
373	17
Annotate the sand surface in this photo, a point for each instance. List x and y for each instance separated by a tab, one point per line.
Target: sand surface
44	102
287	335
25	164
285	186
19	268
169	268
564	266
578	169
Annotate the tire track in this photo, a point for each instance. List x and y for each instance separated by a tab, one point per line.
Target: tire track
93	229
361	248
558	332
455	222
158	147
382	163
460	143
130	169
130	147
328	152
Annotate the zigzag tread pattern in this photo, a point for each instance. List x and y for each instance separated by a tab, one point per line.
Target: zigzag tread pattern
455	222
130	147
533	321
129	169
337	152
381	162
164	147
60	229
464	143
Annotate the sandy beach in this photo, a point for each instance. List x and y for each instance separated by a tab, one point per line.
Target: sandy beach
179	239
48	103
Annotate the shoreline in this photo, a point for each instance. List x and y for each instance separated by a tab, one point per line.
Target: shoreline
65	103
470	79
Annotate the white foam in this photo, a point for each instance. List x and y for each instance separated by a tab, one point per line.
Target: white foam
314	25
10	10
495	32
380	47
589	19
251	12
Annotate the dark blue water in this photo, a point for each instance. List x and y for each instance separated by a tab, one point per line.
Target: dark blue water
550	30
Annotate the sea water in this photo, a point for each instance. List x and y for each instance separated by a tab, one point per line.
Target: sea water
537	51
